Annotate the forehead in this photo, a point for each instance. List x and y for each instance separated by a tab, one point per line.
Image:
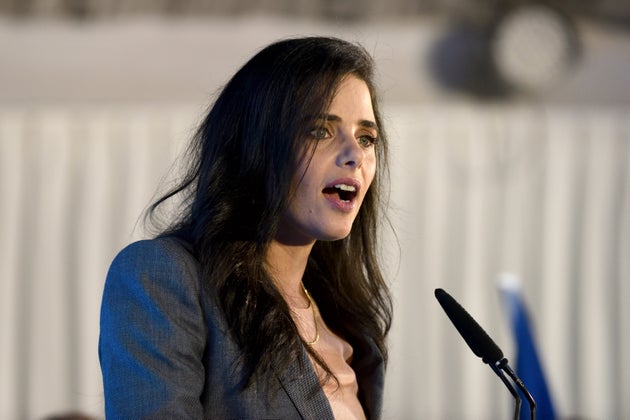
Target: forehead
352	98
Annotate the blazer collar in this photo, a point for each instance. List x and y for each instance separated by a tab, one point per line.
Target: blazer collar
369	367
301	384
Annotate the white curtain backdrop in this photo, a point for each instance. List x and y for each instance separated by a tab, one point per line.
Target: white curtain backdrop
540	192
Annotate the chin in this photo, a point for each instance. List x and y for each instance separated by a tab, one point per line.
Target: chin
335	235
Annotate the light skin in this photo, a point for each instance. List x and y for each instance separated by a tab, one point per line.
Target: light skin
330	185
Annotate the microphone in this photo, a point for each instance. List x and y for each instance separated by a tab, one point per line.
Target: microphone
484	347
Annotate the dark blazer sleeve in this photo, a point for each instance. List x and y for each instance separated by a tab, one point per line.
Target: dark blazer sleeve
153	334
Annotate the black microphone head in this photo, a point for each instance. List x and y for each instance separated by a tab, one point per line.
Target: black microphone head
479	342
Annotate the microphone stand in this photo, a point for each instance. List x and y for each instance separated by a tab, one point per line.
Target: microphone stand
521	386
498	367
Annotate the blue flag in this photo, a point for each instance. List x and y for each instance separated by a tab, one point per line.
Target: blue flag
528	366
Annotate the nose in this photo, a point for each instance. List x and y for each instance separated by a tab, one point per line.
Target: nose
350	152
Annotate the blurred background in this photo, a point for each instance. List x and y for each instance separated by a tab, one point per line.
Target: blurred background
510	128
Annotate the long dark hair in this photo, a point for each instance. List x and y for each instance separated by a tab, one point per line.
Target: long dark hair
242	161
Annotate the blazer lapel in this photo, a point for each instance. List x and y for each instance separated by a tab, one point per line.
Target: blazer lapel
301	384
369	367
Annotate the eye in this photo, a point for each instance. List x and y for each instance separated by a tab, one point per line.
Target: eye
320	133
367	140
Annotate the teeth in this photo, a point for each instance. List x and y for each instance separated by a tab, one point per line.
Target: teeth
344	187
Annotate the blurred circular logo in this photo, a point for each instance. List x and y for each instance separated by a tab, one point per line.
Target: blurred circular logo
533	46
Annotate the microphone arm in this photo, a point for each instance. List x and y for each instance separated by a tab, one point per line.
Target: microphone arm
484	347
519	383
497	368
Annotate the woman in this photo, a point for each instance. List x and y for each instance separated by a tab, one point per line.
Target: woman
264	298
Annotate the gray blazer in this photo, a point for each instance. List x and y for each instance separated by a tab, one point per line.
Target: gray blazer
165	350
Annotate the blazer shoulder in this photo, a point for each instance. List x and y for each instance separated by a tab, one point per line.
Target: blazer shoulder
156	272
158	248
156	256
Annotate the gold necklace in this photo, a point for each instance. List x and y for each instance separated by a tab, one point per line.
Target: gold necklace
312	305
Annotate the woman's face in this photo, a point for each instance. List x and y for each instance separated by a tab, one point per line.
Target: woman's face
332	180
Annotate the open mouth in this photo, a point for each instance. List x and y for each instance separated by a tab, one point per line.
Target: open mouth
345	192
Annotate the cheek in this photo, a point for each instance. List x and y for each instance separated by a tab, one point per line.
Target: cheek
303	168
369	168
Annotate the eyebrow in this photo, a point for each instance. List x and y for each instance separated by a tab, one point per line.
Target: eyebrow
336	118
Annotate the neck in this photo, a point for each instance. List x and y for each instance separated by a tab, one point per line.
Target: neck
286	265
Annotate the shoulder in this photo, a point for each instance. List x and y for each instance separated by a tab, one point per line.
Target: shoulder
155	253
156	258
153	272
